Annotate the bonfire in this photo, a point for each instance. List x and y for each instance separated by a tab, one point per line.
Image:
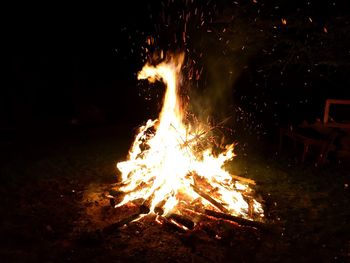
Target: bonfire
172	167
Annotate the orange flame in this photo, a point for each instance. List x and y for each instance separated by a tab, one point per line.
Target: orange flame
165	165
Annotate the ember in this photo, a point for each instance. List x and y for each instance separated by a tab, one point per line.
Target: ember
172	166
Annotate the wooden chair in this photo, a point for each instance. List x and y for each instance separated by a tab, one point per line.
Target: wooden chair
322	146
326	122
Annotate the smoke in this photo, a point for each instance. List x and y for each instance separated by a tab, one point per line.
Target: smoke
212	96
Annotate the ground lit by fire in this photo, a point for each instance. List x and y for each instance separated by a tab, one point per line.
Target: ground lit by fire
171	166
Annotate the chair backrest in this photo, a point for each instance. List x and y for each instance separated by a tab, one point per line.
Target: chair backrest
326	122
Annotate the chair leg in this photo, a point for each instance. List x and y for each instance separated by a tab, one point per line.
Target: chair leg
280	141
323	154
306	149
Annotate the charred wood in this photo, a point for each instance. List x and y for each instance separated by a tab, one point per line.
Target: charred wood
172	224
159	207
239	220
203	219
209	199
142	209
183	220
115	227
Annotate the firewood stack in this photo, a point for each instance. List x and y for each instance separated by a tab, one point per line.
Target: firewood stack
189	215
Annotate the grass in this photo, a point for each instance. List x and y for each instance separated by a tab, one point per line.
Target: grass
309	205
43	180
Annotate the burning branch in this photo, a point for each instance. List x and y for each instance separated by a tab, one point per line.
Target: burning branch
209	199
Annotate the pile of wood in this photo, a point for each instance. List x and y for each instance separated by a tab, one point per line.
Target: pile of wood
187	215
189	233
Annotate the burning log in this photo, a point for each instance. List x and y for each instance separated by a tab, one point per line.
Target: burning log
114	227
183	220
201	182
172	224
112	201
146	204
206	214
250	208
202	218
209	199
142	210
239	220
159	207
115	197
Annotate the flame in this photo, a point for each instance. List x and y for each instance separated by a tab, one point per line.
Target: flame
166	168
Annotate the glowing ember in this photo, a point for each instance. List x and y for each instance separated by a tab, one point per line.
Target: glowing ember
168	168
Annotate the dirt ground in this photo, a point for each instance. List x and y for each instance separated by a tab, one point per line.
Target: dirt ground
52	208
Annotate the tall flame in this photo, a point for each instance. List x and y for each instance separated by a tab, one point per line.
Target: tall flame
165	167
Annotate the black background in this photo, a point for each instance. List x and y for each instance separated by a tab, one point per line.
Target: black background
77	63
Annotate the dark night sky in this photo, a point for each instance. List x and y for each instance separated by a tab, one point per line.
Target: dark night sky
80	61
68	57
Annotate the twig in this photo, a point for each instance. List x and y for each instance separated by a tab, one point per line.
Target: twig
243	179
